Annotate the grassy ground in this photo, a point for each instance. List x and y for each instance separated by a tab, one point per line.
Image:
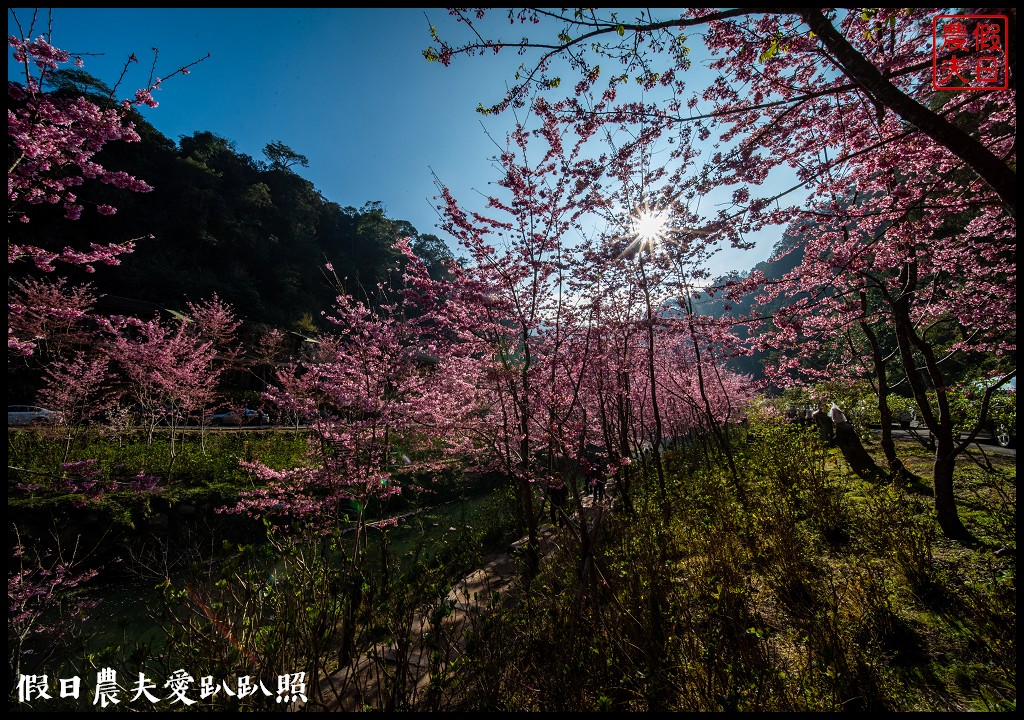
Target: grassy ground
815	591
788	584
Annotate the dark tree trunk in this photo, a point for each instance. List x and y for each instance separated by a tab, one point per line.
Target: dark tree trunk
853	450
896	468
945	502
941	425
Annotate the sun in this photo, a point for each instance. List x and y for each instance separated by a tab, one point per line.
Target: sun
648	230
650	227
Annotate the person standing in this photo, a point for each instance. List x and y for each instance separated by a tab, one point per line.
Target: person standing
558	496
837	415
826	428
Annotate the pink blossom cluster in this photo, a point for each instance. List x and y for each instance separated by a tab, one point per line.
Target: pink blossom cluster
54	139
90	483
36	588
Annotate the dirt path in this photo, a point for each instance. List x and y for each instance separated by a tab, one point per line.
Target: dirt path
358	687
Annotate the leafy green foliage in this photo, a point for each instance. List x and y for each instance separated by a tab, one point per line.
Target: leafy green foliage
966	403
816	592
820	593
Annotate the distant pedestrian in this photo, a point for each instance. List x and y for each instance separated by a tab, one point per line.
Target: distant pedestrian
826	428
558	497
837	414
843	428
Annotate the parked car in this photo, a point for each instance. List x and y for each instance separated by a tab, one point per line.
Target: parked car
905	417
1001	423
30	415
1003	414
240	416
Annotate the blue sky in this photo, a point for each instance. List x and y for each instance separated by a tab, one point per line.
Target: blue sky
346	87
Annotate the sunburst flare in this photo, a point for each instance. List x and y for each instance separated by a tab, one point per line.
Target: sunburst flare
648	230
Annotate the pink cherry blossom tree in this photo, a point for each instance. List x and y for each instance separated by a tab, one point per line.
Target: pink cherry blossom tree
168	370
386	398
877	267
214	321
47	585
903	183
47	314
518	256
781	70
43	601
52	142
383	396
579	328
80	390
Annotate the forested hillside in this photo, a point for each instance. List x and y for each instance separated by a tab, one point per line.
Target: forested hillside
786	255
252	231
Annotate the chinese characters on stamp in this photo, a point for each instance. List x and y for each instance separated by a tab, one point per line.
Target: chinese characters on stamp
969	52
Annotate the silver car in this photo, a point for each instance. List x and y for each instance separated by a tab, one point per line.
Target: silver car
30	415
